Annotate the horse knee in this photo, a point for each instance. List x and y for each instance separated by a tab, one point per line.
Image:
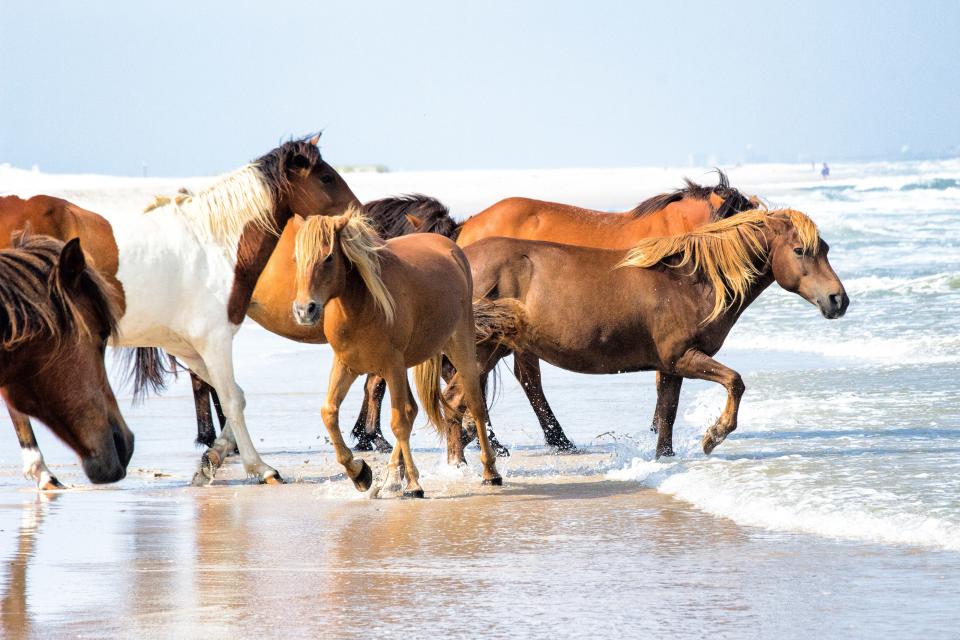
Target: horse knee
329	413
736	386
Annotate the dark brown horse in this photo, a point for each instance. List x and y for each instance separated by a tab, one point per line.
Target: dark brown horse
671	213
56	315
666	305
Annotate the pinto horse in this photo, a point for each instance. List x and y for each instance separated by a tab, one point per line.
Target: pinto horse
348	280
665	305
187	269
56	315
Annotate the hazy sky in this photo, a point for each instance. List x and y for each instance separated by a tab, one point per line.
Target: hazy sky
200	87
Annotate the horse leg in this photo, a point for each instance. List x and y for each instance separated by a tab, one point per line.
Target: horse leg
222	419
217	359
341	377
526	367
206	434
403	411
367	429
696	364
462	351
34	467
668	397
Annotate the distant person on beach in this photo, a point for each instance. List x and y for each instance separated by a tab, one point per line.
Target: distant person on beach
825	171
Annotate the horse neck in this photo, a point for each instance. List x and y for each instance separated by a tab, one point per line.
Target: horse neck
254	249
675	218
763	280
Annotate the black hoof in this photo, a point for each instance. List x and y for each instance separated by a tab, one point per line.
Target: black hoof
363	445
566	448
365	478
382	446
272	478
52	485
418	493
493	482
666	453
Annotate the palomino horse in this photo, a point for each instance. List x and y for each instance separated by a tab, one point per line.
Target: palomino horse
188	267
666	305
347	281
666	214
56	315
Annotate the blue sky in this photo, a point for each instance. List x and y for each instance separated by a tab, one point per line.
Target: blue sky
195	87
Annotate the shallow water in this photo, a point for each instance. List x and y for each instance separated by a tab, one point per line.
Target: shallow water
834	509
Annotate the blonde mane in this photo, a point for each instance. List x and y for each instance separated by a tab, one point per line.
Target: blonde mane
220	212
724	251
360	244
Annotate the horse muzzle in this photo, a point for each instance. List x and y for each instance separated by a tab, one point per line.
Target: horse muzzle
109	462
307	314
834	305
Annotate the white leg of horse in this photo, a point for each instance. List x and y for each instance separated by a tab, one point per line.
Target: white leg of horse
218	361
34	468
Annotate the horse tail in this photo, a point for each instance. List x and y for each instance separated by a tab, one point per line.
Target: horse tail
500	321
427	377
145	366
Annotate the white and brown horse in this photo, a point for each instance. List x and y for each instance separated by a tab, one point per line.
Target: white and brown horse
186	271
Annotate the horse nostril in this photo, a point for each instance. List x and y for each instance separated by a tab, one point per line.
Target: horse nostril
311	307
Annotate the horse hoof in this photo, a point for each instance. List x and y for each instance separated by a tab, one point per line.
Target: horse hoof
382	446
708	444
416	493
493	482
272	477
363	445
201	479
52	484
365	478
666	453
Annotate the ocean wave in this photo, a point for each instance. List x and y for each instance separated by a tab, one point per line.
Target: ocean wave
905	349
751	499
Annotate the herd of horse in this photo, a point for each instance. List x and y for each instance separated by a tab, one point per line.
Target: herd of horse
390	285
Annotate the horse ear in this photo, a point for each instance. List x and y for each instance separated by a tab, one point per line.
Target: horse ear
72	264
315	140
415	221
341	221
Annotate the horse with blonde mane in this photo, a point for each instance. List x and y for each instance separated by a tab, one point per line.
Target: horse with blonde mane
667	304
56	315
348	280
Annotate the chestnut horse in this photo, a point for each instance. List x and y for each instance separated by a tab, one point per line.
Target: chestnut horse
56	315
665	305
671	213
347	282
273	299
188	268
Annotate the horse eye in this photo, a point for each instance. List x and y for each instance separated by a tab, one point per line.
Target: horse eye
326	178
798	251
328	258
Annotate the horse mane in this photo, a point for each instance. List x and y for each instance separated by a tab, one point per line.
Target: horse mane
733	200
724	251
360	244
389	215
33	301
248	195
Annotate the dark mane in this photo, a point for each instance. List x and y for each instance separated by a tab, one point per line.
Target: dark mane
274	165
389	215
733	200
33	303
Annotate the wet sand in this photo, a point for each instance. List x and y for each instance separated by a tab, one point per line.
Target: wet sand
553	553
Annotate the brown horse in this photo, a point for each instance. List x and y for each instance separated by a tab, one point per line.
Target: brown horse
666	214
666	305
347	281
56	315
